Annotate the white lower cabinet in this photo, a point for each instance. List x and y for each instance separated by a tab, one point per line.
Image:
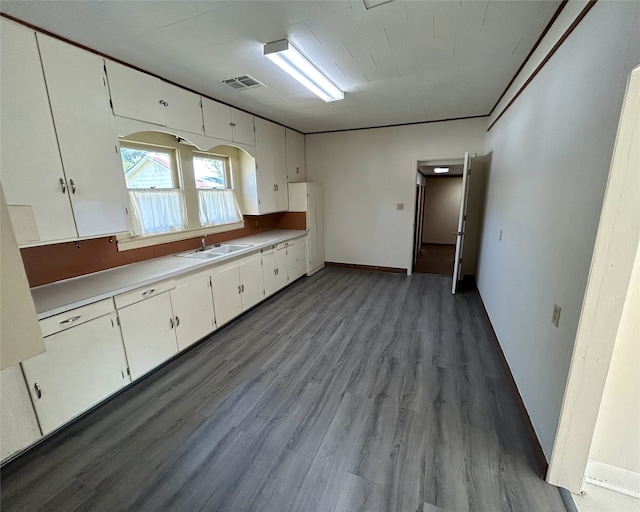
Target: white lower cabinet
237	286
275	271
297	259
148	332
192	306
18	423
82	365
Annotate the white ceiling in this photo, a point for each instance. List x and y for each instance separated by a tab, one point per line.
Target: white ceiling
400	62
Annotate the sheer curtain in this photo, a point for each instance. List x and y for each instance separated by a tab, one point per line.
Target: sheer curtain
157	211
218	207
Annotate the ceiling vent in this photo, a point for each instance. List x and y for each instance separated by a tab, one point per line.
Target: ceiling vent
243	82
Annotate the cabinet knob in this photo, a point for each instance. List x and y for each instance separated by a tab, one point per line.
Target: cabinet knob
38	390
148	292
63	185
242	287
232	124
177	320
73	186
171	322
239	289
164	103
71	320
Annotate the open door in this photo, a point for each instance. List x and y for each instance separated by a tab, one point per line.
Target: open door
462	218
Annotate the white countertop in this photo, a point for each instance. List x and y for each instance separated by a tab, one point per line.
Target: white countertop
61	296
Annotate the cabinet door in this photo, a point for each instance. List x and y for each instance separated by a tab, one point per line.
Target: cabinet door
182	109
86	136
242	127
193	311
269	272
32	173
295	156
148	333
226	295
312	228
319	216
271	163
296	259
282	274
18	424
217	119
82	366
251	282
134	94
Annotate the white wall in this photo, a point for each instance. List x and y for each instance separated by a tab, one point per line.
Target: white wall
551	153
441	210
365	173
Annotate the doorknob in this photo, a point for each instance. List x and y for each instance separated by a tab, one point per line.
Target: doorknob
456	233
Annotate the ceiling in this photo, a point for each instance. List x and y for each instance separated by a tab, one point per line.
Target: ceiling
398	62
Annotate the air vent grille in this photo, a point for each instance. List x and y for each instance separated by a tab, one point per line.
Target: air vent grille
243	82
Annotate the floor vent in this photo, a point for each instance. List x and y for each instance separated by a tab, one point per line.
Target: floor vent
243	82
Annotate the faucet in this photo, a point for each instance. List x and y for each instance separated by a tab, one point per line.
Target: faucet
204	244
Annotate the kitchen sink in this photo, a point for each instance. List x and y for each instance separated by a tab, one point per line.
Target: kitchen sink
214	251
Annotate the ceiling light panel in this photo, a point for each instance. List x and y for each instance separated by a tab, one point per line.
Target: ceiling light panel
293	62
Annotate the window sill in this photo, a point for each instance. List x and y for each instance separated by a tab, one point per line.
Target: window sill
127	242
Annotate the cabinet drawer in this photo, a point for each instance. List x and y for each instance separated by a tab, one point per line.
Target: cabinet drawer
126	299
78	316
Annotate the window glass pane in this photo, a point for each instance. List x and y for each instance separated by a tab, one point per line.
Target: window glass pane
147	169
209	172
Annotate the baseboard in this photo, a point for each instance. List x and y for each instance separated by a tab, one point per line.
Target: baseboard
613	478
539	458
352	266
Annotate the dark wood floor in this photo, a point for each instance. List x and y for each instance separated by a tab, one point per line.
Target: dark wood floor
436	259
349	391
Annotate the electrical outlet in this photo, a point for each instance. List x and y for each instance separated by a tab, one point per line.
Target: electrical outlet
400	206
555	318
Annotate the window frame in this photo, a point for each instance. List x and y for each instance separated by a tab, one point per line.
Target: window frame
173	158
228	174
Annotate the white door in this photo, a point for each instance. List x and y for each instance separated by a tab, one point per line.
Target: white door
148	333
295	156
296	259
192	305
87	137
134	94
182	110
217	119
242	127
32	176
82	366
462	217
251	282
227	299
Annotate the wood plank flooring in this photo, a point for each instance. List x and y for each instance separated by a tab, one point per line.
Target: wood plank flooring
435	259
348	391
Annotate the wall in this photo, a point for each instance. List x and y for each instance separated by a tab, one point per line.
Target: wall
441	210
365	173
551	153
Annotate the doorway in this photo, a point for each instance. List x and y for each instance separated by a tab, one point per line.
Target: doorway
439	189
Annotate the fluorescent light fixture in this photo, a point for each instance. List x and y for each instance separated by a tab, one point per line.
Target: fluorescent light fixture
440	170
289	59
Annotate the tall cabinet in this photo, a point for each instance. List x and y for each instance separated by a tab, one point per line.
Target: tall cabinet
307	197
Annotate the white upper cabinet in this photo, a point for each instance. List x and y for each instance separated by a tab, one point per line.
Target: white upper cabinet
271	167
32	175
242	127
182	109
140	96
86	137
227	123
295	156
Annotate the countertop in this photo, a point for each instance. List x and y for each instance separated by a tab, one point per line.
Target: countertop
61	296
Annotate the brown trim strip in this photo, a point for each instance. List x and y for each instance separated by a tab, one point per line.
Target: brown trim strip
373	268
553	50
537	453
114	59
535	46
399	124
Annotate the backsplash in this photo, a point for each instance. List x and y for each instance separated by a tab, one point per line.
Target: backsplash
49	263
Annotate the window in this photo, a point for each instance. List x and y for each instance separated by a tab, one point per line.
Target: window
217	201
152	180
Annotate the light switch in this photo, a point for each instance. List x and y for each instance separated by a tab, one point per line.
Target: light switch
400	206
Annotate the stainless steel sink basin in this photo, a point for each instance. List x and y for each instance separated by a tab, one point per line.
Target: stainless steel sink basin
215	251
